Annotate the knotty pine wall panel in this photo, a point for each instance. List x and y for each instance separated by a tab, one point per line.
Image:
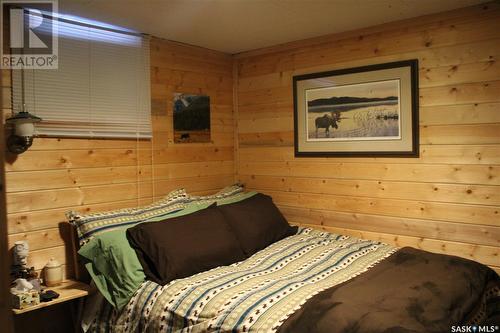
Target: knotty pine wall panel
90	175
448	199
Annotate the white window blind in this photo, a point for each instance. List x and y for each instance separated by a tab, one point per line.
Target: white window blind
101	88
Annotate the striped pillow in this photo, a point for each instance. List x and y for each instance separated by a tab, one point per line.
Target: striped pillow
91	225
229	192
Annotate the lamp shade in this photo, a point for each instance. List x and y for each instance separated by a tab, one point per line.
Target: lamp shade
23	123
25	129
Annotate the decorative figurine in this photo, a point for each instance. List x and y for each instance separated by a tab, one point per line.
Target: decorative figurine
19	268
21	250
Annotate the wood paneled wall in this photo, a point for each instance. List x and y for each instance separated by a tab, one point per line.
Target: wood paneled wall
446	201
87	175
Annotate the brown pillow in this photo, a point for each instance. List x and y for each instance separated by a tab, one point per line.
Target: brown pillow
257	222
184	245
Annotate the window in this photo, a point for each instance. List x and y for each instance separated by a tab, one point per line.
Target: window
101	88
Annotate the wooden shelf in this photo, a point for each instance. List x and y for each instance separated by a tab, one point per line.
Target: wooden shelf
67	291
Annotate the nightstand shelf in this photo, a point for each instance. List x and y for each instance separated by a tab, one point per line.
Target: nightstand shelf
67	291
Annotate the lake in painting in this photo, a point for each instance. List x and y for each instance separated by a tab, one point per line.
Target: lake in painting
363	111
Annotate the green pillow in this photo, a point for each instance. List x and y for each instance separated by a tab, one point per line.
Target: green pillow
114	267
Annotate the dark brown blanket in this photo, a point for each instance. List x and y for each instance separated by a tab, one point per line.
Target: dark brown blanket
411	291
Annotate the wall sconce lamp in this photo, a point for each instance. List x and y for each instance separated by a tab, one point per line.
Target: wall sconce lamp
23	129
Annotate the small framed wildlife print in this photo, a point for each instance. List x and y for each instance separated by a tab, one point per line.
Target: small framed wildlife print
191	118
363	111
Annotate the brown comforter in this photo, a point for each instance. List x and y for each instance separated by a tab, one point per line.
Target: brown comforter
411	291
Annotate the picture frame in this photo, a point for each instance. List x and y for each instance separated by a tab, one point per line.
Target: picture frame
369	111
191	118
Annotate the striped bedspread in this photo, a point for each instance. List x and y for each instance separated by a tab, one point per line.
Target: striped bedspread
255	295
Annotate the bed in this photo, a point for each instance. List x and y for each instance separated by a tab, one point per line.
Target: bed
311	281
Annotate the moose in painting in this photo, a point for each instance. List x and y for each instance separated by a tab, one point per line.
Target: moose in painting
326	121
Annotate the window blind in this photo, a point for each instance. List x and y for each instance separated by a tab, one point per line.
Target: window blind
101	88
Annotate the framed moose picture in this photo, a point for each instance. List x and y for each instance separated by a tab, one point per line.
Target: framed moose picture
362	111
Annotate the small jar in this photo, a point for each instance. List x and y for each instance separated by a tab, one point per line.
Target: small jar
53	273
